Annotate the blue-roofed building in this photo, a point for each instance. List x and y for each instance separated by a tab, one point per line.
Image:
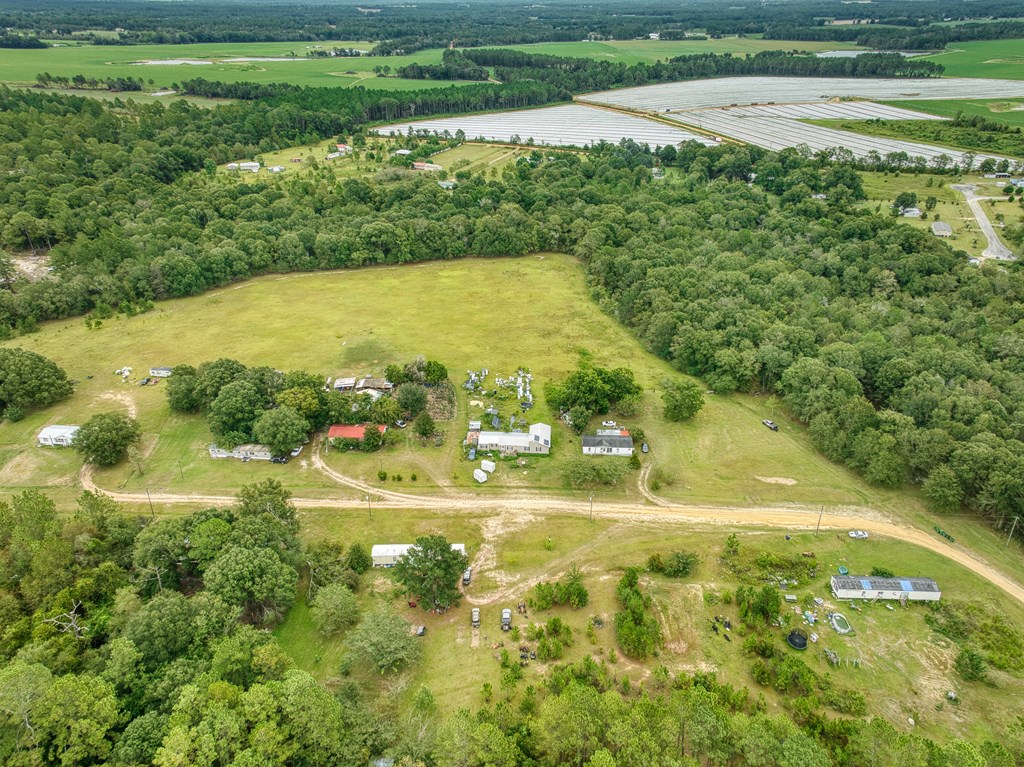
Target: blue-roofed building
868	587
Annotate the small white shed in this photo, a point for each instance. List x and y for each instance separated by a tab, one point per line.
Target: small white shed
57	436
479	475
160	372
488	466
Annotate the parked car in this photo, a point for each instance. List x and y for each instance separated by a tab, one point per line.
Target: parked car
506	619
420	631
144	382
400	423
612	424
474	617
467	576
858	534
644	448
279	459
770	424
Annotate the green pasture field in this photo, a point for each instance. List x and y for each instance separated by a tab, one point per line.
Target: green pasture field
1009	111
869	128
636	51
906	669
358	321
138	97
20	67
985	58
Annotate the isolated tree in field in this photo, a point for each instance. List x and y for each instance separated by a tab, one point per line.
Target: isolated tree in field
412	398
281	429
28	379
970	665
683	399
335	609
431	570
425	426
679	564
104	439
385	640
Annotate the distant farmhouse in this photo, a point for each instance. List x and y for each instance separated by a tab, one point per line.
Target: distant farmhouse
160	372
57	436
942	229
388	554
608	442
537	441
903	589
911	212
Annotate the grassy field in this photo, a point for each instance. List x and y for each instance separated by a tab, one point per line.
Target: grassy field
21	66
912	131
334	323
1010	111
635	51
905	668
985	58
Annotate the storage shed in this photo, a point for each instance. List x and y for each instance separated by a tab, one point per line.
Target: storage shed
480	475
867	587
57	436
488	466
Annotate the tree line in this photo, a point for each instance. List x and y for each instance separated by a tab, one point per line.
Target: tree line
930	37
113	84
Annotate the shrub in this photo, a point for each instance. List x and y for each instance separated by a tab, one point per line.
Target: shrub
680	564
970	665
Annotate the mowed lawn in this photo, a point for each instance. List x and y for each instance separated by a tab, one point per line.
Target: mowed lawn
22	66
356	322
636	51
985	58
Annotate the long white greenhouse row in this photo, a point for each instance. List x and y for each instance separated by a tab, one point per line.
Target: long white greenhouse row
726	91
843	110
572	125
781	132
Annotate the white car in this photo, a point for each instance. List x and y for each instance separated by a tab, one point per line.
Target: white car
609	423
858	534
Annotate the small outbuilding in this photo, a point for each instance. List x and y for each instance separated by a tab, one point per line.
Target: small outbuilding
942	229
57	436
911	212
868	587
480	475
488	466
276	168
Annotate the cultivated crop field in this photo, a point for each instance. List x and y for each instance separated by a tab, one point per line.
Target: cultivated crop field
571	125
1009	111
227	62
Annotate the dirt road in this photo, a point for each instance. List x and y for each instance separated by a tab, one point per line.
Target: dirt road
786	517
995	248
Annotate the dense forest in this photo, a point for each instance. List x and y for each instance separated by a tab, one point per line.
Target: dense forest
404	28
904	360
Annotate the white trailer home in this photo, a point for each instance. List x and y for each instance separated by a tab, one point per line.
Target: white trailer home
388	554
619	443
867	587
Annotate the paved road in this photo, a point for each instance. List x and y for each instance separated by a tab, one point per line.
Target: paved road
995	248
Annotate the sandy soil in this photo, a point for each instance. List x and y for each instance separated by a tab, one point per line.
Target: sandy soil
776	480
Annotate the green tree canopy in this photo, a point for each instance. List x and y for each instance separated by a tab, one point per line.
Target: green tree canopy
683	399
431	571
282	429
105	438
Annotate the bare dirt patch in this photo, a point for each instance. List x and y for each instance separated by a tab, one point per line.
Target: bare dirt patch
122	398
776	480
32	268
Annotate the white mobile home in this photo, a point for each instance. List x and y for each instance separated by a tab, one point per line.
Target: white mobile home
867	587
57	436
251	452
537	441
160	372
388	554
